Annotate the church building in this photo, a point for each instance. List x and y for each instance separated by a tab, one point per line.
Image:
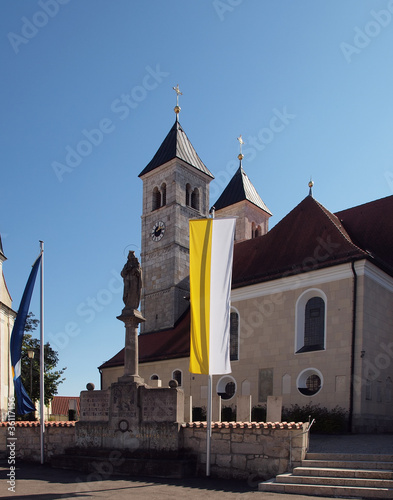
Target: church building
311	300
7	318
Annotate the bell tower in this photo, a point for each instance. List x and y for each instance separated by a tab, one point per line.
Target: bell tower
175	189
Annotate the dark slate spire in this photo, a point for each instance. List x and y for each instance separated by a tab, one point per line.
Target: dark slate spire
176	145
239	189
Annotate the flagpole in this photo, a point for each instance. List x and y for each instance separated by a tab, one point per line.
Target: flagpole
209	405
209	423
42	364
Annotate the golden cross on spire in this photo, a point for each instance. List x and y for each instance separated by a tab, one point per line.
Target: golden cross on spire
241	142
177	90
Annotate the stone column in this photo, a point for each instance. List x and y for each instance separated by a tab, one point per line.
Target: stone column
131	320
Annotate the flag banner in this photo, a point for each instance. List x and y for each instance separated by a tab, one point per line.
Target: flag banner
211	257
23	401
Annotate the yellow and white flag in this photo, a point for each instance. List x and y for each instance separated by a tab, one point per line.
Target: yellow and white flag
211	257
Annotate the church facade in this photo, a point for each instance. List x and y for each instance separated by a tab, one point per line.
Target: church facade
311	299
7	318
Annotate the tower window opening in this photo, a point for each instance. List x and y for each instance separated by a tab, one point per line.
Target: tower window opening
156	198
195	199
188	195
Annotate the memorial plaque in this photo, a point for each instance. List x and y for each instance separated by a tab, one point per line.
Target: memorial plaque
124	401
159	405
94	406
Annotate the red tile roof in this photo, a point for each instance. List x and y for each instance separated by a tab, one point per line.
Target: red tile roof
164	344
60	405
36	423
308	238
245	425
370	226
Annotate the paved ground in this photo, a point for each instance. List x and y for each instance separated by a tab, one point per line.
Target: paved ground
39	482
352	443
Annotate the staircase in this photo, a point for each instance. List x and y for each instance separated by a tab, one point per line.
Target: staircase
337	475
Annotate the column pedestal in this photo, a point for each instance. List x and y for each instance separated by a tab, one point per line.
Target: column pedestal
131	319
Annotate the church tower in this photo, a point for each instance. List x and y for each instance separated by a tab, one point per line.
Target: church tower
175	189
240	199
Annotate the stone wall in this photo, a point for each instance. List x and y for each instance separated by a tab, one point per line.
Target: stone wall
249	451
25	440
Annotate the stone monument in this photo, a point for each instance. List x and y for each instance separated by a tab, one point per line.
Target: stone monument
130	415
131	317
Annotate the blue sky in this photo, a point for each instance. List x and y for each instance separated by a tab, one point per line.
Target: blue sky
308	85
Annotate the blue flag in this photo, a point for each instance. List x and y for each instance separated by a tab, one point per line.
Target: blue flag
23	402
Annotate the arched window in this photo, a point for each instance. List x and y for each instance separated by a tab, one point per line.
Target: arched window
310	321
178	376
154	377
195	199
156	198
188	195
163	194
314	324
255	230
234	336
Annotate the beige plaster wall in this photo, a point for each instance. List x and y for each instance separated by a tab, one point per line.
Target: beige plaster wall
267	320
374	355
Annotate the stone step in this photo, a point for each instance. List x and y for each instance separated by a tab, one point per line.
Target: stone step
350	464
107	466
325	490
339	481
350	456
343	473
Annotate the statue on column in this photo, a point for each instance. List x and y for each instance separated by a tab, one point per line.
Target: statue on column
132	277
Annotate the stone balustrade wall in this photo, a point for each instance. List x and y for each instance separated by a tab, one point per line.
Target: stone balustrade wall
27	439
249	450
239	450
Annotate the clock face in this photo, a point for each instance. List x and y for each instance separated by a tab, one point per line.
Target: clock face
158	231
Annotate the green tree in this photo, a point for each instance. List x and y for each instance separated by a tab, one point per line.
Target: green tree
31	366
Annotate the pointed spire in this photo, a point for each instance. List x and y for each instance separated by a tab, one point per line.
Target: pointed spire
176	145
310	185
238	189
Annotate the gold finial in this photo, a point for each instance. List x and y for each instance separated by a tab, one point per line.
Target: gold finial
310	185
241	142
177	107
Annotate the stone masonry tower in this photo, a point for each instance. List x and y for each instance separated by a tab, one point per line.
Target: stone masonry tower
175	189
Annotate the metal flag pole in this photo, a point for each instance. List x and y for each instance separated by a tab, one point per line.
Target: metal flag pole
42	364
209	404
209	423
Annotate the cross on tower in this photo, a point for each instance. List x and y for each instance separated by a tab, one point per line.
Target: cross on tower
177	107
